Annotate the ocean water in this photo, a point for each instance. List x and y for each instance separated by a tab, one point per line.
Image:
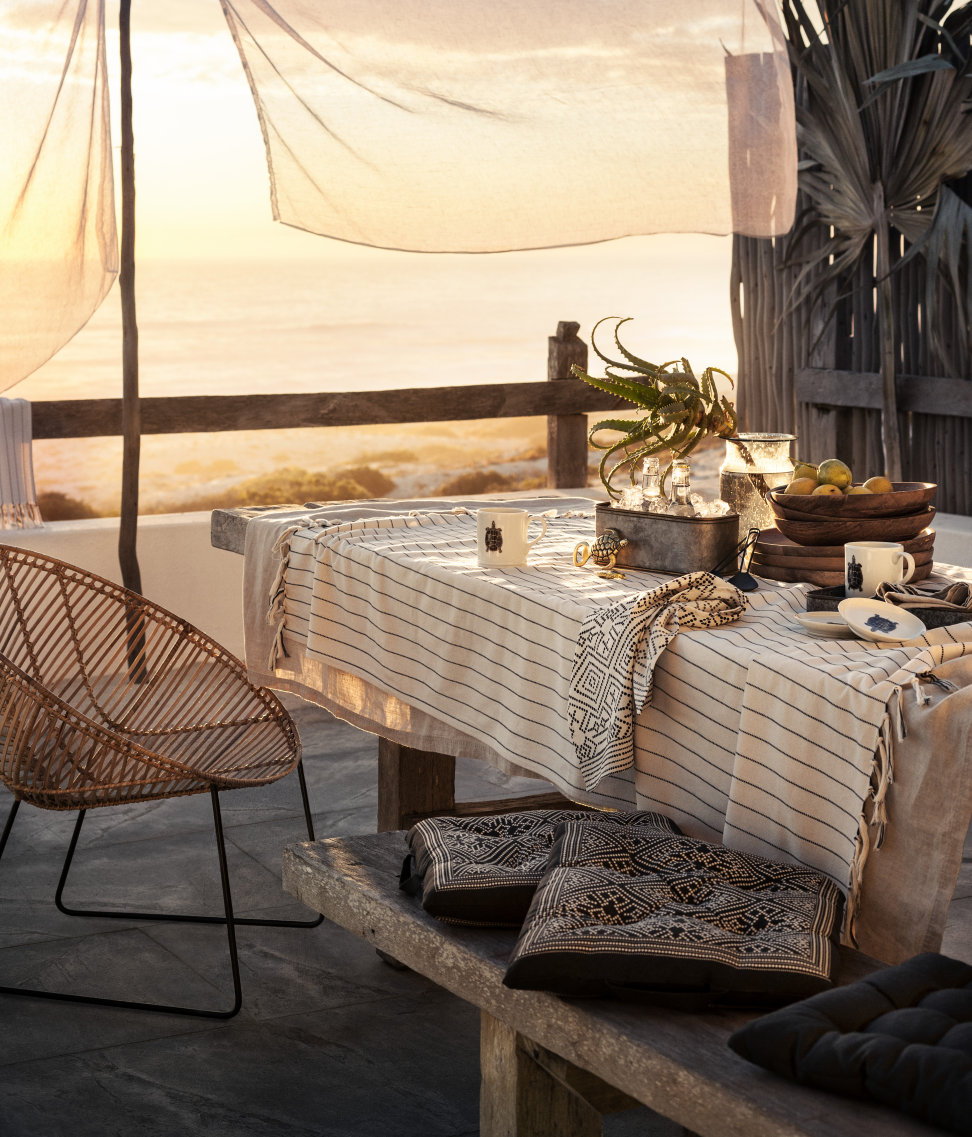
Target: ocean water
365	319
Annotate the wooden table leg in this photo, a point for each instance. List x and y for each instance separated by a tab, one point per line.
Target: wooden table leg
519	1097
412	783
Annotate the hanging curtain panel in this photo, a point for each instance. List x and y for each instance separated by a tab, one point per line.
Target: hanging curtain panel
484	125
58	252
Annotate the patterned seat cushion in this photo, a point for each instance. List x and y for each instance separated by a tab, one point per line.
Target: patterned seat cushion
902	1036
484	870
646	911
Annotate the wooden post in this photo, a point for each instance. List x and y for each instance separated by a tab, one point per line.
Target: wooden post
412	783
131	428
566	434
519	1098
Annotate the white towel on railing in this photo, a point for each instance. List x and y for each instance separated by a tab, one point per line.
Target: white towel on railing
18	497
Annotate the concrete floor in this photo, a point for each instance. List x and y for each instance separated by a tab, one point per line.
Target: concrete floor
330	1042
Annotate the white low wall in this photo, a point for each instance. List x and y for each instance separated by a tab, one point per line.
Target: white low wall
183	572
180	569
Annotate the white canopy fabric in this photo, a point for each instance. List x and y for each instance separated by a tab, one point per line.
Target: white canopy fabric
428	125
58	251
489	125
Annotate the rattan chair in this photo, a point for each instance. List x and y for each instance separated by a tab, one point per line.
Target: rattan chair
108	699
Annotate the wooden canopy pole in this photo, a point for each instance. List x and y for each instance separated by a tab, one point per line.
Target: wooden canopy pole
131	415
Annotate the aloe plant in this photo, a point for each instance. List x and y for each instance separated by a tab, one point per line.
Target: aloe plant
679	409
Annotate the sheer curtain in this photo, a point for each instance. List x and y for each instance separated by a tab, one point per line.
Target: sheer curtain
58	254
440	125
430	125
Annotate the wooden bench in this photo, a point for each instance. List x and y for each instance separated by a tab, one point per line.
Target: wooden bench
551	1067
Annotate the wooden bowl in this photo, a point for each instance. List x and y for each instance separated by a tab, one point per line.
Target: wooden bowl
772	544
825	564
907	497
810	574
837	531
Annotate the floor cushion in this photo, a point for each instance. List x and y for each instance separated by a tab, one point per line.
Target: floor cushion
644	911
484	870
902	1036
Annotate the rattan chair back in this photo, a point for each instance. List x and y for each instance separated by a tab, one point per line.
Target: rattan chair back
106	697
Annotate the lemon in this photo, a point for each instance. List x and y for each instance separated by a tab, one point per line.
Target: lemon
804	470
827	490
857	489
833	472
879	485
802	485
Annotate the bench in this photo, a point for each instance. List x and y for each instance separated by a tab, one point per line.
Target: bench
551	1066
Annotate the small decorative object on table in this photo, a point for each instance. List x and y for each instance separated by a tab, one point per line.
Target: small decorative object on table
604	553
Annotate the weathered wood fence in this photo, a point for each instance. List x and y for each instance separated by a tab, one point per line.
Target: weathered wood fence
564	400
819	379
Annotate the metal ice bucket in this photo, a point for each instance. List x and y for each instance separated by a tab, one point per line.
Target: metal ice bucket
671	544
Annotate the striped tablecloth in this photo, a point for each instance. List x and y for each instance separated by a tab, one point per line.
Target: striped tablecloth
758	733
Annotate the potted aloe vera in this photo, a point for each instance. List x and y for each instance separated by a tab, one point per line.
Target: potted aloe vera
678	408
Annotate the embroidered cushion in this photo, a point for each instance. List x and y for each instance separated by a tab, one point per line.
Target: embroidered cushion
643	911
902	1036
484	870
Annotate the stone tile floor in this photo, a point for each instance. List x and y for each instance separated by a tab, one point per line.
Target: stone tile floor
330	1042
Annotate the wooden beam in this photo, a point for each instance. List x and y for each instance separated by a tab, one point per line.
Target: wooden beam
194	414
862	389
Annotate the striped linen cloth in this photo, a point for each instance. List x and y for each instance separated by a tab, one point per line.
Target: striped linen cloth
758	734
18	497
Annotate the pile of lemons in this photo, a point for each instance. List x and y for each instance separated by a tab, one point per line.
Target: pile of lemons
833	478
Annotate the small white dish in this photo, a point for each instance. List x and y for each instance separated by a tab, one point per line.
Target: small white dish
829	624
883	623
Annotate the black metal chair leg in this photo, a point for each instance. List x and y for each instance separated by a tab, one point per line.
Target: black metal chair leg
9	824
116	914
128	1004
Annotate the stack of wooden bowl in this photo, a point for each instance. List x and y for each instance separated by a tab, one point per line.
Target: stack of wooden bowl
807	543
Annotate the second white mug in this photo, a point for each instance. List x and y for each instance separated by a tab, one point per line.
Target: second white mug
868	563
501	536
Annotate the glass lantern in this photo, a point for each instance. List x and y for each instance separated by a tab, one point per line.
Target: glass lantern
754	463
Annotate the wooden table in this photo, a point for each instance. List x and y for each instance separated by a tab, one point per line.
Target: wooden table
907	897
553	1066
412	783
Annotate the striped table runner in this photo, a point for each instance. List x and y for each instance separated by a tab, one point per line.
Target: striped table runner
757	734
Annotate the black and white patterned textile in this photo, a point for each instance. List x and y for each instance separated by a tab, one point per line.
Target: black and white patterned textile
641	910
614	663
484	870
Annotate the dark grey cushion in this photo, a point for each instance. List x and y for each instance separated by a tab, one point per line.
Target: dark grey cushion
902	1036
643	911
484	870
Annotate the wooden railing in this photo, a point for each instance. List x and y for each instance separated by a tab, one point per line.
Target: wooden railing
564	400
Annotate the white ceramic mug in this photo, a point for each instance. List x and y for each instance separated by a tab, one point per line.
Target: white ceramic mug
868	563
501	536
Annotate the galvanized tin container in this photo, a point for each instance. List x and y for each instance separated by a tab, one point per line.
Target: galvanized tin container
671	544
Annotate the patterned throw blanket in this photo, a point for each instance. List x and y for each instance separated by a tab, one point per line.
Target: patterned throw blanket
614	664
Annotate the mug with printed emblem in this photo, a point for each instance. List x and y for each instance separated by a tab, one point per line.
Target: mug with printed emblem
502	538
869	563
